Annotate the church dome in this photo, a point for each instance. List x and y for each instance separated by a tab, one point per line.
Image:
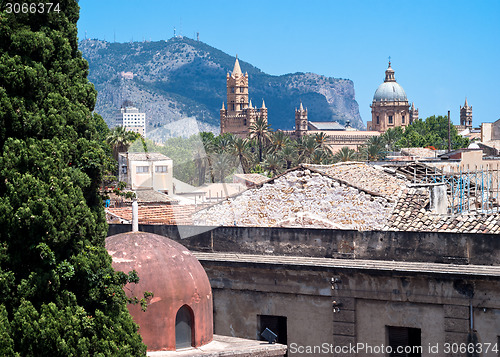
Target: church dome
390	90
180	314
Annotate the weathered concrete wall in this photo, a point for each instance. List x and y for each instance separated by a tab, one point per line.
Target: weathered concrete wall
369	302
480	249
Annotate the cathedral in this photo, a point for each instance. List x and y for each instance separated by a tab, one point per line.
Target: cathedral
390	106
240	114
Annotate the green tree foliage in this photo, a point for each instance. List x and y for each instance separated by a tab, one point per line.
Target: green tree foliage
432	131
120	140
345	154
59	295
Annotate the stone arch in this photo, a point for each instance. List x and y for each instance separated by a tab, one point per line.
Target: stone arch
184	327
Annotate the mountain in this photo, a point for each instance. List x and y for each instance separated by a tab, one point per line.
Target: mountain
184	79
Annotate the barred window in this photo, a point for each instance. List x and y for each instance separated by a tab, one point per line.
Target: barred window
142	169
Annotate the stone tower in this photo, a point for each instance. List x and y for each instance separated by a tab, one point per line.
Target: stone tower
239	114
390	107
300	121
466	115
413	113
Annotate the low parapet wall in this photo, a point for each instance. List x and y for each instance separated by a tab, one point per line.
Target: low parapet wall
450	248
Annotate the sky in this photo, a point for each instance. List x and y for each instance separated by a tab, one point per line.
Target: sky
442	51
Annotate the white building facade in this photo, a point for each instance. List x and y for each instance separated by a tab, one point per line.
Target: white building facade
132	119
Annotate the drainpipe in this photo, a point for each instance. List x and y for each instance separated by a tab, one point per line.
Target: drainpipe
135	216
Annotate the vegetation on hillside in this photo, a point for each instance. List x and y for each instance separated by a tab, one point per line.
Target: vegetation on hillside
59	295
182	77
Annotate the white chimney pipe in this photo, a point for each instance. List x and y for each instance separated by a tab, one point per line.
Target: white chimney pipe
135	216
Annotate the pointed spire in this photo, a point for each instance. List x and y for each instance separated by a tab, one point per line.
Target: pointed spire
301	107
412	106
250	104
263	104
236	69
466	105
223	108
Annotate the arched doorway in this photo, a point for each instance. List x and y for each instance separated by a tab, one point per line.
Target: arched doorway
184	322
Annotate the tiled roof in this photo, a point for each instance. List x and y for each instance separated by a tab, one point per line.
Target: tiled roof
301	198
145	156
411	214
365	177
253	178
154	214
152	196
420	152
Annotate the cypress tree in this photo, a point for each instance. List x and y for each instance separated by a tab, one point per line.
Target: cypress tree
59	295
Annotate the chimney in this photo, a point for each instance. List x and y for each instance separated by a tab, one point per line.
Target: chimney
135	216
438	199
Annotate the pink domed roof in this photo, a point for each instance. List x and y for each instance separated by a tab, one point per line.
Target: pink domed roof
176	279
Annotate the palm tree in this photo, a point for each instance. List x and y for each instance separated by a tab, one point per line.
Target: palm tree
288	154
307	145
321	139
374	149
120	140
273	164
222	165
260	130
345	154
279	140
391	136
224	143
242	150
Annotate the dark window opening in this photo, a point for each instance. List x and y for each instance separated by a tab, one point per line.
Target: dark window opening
184	322
232	89
242	89
390	119
276	324
244	122
403	119
405	341
378	120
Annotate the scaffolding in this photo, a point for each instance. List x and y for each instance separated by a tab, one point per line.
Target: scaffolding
470	188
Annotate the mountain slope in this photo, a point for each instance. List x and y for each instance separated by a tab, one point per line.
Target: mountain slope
182	78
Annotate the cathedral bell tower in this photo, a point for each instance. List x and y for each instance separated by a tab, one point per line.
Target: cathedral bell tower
466	115
300	121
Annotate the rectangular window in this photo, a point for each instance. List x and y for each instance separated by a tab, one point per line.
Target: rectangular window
232	89
378	120
142	169
276	324
124	169
390	119
403	119
161	169
242	89
405	341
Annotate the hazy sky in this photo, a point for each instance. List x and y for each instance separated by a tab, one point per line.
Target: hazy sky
441	51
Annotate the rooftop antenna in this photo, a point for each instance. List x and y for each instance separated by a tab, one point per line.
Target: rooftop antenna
85	34
198	36
174	31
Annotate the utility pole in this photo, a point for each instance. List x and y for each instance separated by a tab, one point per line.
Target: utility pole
449	132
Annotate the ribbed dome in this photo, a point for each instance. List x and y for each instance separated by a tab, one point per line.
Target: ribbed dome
389	91
176	278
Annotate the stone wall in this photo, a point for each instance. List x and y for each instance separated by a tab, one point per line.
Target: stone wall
453	248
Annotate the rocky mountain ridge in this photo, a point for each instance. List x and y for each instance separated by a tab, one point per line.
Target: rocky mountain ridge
183	79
